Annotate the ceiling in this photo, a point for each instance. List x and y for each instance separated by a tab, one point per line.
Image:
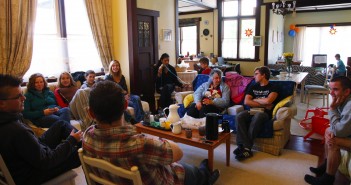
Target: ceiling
302	5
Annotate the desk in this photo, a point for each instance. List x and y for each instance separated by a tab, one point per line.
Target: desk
195	141
298	78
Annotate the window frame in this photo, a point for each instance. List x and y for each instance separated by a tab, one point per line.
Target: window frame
238	18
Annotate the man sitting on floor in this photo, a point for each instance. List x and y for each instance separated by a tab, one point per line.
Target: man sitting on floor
261	95
338	135
33	160
119	143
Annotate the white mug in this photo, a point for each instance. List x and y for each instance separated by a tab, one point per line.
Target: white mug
152	118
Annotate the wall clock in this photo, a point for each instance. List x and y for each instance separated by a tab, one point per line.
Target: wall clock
206	32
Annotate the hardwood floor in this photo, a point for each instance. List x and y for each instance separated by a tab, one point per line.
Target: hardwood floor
314	147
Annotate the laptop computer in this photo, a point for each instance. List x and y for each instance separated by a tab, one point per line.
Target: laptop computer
220	61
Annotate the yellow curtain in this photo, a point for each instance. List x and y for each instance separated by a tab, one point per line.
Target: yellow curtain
17	19
100	18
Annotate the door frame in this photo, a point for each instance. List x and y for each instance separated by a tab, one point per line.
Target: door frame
132	12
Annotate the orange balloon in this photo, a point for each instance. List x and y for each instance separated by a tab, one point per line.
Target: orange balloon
292	26
297	29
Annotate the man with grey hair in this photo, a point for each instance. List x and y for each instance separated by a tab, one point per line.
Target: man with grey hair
212	96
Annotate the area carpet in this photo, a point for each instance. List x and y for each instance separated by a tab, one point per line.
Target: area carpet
262	169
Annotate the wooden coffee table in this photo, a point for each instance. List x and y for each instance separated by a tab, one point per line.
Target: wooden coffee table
196	140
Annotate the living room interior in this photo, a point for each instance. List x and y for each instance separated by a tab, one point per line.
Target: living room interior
272	30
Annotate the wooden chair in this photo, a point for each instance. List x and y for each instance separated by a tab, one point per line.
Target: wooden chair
65	178
88	162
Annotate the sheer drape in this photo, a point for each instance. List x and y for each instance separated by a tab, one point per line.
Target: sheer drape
17	18
298	47
100	18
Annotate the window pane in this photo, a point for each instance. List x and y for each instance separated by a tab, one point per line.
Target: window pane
248	7
82	51
247	50
230	8
45	22
189	40
229	40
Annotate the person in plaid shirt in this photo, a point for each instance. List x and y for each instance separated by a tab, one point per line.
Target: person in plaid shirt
120	144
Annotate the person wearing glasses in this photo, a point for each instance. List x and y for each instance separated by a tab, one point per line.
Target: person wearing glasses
41	106
29	159
338	136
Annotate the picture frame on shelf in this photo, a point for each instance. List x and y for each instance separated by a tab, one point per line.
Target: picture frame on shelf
167	34
257	41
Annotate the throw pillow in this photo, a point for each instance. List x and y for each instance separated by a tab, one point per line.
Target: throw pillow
283	103
188	100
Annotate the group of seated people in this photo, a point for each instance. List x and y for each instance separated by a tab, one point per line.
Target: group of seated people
34	160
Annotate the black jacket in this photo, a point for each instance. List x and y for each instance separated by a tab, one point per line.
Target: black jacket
169	78
24	153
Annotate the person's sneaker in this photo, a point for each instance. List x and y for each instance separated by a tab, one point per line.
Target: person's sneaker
320	170
238	150
214	176
325	179
244	154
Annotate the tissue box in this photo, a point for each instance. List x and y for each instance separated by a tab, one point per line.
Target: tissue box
235	109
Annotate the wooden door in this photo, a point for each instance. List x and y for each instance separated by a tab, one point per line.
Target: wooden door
146	55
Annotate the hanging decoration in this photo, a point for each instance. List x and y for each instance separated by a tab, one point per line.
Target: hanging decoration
248	32
332	30
293	30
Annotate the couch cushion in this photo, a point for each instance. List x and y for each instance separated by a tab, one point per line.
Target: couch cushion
283	103
188	100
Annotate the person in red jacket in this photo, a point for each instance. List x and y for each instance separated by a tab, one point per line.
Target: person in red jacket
205	69
66	89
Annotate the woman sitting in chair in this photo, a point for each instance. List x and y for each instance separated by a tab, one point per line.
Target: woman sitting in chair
212	96
115	75
166	80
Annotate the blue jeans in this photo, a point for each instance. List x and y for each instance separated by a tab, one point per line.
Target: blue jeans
135	102
248	127
46	121
194	175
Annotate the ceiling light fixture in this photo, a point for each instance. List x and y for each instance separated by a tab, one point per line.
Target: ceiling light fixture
283	7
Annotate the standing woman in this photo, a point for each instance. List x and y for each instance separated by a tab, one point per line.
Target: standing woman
40	105
166	80
115	75
66	89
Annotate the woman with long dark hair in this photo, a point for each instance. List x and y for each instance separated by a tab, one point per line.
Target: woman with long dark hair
166	80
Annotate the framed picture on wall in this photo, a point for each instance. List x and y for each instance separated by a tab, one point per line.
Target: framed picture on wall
167	34
257	40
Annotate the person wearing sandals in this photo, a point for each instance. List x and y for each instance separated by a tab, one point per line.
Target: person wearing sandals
261	95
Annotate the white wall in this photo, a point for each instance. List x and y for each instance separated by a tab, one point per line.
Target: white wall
165	21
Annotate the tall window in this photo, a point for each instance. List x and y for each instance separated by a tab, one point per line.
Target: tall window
238	19
188	40
318	40
63	40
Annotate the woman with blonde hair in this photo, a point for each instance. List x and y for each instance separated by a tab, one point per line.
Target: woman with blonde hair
40	105
66	89
115	75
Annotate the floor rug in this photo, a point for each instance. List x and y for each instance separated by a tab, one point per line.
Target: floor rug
262	169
